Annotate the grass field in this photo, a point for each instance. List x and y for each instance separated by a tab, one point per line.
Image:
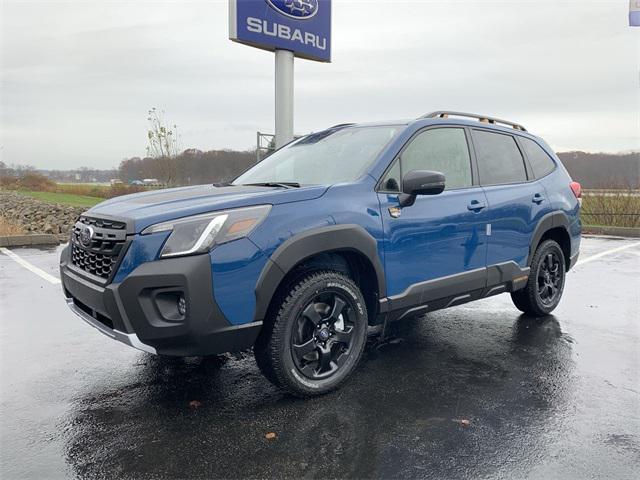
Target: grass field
617	209
64	198
86	189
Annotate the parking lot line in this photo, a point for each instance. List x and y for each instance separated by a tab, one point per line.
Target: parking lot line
41	273
606	252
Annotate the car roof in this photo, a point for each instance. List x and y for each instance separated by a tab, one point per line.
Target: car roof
450	118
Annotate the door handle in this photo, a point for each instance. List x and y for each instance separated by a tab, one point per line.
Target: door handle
476	205
538	198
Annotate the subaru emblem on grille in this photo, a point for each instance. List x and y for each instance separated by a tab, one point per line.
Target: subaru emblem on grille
86	235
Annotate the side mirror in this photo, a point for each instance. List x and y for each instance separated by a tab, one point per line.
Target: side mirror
420	182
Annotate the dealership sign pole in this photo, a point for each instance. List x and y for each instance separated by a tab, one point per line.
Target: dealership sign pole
284	97
290	28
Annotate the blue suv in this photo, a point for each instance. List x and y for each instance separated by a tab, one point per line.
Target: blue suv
328	239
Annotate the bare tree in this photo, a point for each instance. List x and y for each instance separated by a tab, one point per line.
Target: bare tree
163	146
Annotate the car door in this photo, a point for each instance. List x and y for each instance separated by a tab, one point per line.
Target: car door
439	242
515	203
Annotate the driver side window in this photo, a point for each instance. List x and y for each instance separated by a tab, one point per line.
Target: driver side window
442	150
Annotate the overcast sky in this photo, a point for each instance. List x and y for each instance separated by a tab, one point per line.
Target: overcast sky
79	76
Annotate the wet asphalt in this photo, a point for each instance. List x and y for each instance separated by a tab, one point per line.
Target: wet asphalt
476	391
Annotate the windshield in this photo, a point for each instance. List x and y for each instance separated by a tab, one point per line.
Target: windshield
331	156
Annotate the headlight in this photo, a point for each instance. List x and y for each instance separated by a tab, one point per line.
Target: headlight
199	233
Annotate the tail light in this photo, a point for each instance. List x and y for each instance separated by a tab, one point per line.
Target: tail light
576	188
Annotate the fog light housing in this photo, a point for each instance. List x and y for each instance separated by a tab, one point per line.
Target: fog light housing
171	305
182	306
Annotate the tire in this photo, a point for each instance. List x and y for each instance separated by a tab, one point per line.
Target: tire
316	335
546	281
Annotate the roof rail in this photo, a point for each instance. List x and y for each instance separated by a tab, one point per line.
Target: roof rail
342	125
480	118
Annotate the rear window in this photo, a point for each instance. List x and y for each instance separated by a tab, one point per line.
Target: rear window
499	158
540	161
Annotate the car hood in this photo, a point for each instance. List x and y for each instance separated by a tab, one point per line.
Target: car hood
143	209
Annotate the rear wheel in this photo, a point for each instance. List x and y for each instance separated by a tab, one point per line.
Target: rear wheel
546	281
315	339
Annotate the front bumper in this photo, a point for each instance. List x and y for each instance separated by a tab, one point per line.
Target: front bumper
130	339
140	311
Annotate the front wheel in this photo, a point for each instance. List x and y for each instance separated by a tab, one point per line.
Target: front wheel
316	338
546	281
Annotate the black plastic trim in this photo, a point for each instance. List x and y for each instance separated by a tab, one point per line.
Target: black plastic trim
455	290
95	278
122	239
348	237
452	285
100	300
547	222
130	227
131	308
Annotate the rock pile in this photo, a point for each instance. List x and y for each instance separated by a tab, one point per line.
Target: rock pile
36	216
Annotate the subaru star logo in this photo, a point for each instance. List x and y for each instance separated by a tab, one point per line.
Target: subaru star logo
86	235
298	9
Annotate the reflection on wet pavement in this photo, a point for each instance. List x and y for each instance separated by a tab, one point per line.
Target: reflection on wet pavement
401	414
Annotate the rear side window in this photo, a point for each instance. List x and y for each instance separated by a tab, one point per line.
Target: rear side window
442	150
540	161
499	158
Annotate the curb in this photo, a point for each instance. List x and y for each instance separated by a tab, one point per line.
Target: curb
614	231
28	240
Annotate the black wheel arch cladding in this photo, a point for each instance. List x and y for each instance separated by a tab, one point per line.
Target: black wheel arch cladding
552	221
333	238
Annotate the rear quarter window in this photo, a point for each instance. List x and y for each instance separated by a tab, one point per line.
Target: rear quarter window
541	163
499	158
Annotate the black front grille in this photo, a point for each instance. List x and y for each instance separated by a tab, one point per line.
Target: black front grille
98	253
103	223
97	264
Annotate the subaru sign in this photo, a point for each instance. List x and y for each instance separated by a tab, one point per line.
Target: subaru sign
634	13
300	26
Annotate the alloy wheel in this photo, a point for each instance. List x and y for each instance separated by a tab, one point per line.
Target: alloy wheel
323	335
549	278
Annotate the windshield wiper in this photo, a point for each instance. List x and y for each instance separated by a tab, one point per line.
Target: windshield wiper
275	184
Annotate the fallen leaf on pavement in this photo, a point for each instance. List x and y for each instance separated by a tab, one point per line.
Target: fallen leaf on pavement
462	421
